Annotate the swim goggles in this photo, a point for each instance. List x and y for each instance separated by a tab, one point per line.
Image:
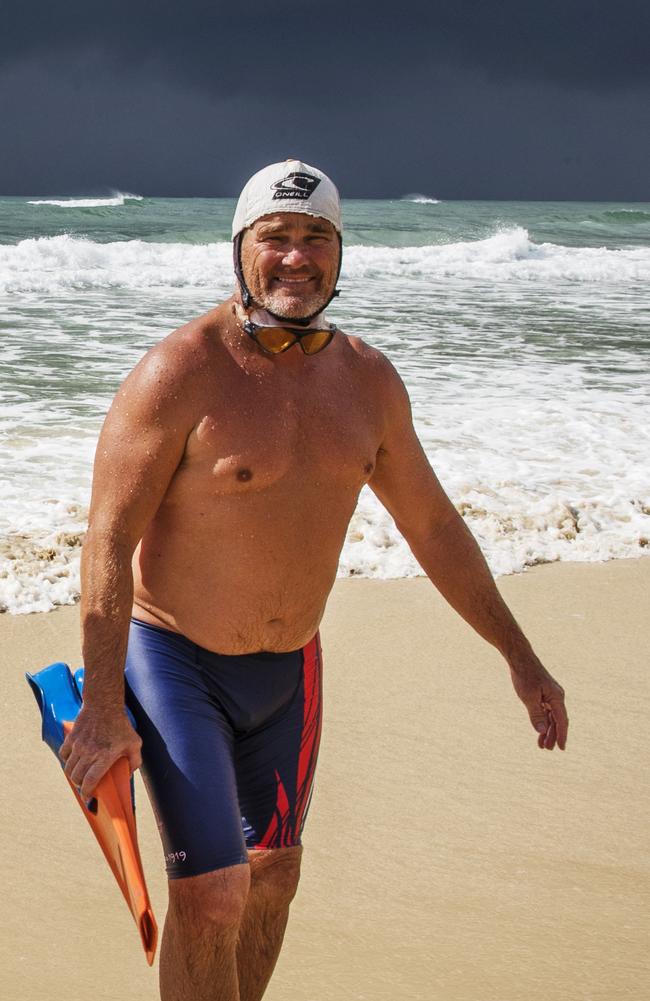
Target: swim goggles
275	340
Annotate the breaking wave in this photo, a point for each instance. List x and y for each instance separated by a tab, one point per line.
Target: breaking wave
50	264
118	198
628	215
420	199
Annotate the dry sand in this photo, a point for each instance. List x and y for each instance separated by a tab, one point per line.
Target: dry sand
446	859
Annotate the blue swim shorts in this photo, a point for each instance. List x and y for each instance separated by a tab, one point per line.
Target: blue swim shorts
229	745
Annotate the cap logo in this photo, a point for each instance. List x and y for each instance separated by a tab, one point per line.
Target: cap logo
296	185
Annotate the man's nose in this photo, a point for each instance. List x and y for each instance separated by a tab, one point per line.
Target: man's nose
296	256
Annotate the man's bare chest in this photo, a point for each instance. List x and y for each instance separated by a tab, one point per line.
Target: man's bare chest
254	437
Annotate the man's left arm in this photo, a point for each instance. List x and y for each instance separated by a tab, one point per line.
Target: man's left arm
450	556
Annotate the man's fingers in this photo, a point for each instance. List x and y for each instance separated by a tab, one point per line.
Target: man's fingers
66	748
71	761
543	728
544	723
94	744
77	773
85	773
92	777
558	714
543	698
86	777
551	734
561	718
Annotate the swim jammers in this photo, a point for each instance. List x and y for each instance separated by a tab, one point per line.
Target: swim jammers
229	745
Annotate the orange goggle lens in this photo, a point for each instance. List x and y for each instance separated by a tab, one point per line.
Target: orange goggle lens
275	340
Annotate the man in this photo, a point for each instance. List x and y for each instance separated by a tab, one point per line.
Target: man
226	474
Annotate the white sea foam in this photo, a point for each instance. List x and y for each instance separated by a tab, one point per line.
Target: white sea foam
420	199
508	255
119	198
43	507
540	473
50	264
39	568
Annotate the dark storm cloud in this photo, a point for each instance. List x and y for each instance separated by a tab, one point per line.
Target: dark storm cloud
317	49
454	98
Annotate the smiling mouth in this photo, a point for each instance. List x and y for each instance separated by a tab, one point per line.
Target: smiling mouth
285	280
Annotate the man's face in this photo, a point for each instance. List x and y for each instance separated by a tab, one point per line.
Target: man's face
290	263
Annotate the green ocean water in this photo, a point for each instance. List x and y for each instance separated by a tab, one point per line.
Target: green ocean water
397	223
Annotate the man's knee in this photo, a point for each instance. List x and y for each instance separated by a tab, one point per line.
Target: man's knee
276	873
215	899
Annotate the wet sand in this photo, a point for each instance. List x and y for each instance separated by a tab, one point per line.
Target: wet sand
446	857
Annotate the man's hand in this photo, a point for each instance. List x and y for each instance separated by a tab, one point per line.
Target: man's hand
544	700
96	741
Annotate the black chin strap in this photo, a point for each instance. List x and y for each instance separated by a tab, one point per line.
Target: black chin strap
247	298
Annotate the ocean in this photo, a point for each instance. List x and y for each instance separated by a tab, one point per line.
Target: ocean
522	331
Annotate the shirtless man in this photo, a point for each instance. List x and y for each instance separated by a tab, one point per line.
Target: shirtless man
226	475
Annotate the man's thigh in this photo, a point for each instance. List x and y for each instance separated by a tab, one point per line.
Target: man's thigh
276	763
187	754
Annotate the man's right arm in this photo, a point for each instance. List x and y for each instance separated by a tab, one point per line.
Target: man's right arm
139	449
449	554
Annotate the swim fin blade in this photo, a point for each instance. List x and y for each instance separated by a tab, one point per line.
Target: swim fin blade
110	812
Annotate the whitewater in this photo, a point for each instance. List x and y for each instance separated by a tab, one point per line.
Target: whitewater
118	198
521	331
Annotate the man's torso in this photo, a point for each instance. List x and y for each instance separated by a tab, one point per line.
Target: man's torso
244	548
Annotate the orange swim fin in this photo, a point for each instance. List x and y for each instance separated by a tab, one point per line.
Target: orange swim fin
110	813
113	824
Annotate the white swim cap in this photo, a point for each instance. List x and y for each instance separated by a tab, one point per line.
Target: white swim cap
290	186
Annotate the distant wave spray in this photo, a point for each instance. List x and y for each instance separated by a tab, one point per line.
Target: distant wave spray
420	199
115	200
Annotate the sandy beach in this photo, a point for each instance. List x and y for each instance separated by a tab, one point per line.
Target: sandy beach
446	857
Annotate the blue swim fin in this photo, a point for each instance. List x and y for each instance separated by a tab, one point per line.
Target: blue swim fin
59	694
111	812
59	700
79	681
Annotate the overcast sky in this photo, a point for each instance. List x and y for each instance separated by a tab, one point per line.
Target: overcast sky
545	99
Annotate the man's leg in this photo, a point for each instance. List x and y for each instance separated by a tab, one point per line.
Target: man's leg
224	930
198	952
275	771
274	880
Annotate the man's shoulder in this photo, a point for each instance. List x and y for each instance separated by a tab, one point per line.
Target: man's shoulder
177	371
380	377
193	340
184	353
366	353
374	363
